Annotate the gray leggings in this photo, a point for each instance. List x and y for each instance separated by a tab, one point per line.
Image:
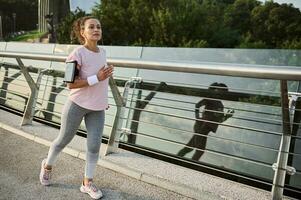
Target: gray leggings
72	116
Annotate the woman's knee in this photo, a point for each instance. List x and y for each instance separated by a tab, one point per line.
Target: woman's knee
58	146
94	147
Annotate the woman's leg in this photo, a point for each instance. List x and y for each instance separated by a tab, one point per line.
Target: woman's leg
72	116
200	144
193	142
186	149
94	123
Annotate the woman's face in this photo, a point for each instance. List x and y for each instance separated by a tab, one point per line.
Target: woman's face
92	30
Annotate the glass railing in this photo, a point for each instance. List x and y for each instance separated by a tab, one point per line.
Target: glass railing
236	132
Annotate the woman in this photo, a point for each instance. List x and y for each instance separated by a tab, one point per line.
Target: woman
88	99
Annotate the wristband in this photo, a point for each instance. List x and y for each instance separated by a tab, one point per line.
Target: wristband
92	80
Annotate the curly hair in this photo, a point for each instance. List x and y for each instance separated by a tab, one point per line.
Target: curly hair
79	25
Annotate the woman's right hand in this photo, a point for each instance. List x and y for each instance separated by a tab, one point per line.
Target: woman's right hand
105	73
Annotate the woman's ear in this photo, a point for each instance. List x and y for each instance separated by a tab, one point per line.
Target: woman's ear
82	33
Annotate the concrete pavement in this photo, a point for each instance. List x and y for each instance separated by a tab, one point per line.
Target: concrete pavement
19	170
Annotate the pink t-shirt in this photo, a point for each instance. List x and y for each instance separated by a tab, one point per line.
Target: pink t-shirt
93	97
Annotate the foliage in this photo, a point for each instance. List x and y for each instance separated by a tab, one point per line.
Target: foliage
276	24
26	15
31	35
65	27
197	23
293	44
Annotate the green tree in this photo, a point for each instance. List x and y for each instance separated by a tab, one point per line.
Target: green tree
26	15
65	27
225	37
176	22
247	43
213	22
115	21
140	21
163	27
196	23
276	24
238	15
258	30
284	23
293	44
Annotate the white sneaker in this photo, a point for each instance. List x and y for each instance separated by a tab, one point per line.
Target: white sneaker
45	174
92	190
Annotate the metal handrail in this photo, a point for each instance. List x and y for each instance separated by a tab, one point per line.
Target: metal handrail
225	69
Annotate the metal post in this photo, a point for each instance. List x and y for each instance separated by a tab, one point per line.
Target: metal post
34	88
281	166
111	147
39	16
295	106
1	33
43	10
121	103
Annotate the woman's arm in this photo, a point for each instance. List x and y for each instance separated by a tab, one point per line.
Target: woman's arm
102	74
228	115
197	108
78	83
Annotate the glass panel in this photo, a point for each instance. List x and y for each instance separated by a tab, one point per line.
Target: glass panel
14	90
30	48
243	138
123	52
2	48
62	49
242	56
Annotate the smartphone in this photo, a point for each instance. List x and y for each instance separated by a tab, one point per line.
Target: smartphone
71	71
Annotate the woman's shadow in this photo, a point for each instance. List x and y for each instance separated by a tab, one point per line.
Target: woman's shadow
213	115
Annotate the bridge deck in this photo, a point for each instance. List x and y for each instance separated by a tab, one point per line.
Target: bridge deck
20	161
